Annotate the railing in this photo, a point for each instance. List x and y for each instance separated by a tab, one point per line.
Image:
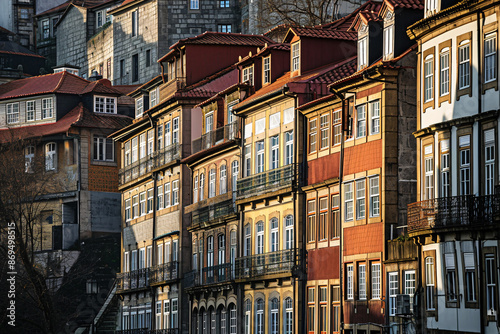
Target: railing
148	163
220	135
163	272
452	212
191	279
164	331
136	279
218	274
148	331
268	181
171	87
213	212
266	264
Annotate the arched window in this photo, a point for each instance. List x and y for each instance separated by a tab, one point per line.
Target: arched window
274	316
259	246
211	184
222	320
289	232
213	321
222	248
273	224
210	257
259	316
195	324
248	313
202	186
288	316
50	156
247	250
223	180
235	171
232	319
195	189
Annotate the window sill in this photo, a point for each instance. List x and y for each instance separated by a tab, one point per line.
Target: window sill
104	163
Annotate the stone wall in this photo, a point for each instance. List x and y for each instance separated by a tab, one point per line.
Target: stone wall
72	39
100	52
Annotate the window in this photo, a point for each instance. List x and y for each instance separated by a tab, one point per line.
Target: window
158	315
232	316
135	152
29	159
464	165
30	111
464	65
103	149
274	242
489	161
445	169
275	322
323	306
248	311
99	19
490	278
470	277
324	128
50	156
388	41
259	244
159	201
12	113
490	57
429	283
444	72
393	291
362	53
135	206
135	68
374	117
288	147
259	148
175	131
323	218
288	316
153	98
248	75
122	68
166	314
295	57
221	239
410	285
202	186
274	120
360	199
45	29
429	173
235	167
211	184
431	7
428	79
289	232
311	316
175	310
350	282
248	160
248	241
224	28
223	180
148	61
312	135
362	282
135	23
374	197
267	69
142	203
150	200
375	280
288	115
194	4
349	201
167	195
361	121
224	3
24	14
47	108
311	221
275	152
168	134
150	145
335	217
337	126
175	192
259	317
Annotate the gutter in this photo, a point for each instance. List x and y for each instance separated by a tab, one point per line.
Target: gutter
277	92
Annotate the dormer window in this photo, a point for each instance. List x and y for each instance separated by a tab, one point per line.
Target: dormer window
171	70
430	7
362	53
153	98
248	75
105	104
99	18
267	69
389	42
295	56
139	107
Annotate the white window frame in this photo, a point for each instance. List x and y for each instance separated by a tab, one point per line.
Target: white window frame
374	193
47	108
393	284
376	284
104	149
490	57
444	72
12	113
360	199
159	201
105	104
489	162
388	41
361	121
167	195
429	78
247	75
222	179
410	285
51	156
266	61
211	183
350	282
362	53
139	107
464	75
349	201
374	110
362	282
175	192
30	111
296	56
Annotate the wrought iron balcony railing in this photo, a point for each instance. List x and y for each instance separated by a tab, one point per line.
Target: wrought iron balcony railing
132	280
148	331
191	279
266	264
218	274
148	163
215	137
163	273
213	212
454	212
268	181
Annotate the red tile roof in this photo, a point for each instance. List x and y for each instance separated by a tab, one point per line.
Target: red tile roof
62	82
21	54
78	117
410	4
213	85
368	14
324	33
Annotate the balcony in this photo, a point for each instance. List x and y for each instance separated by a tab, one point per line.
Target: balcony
217	274
213	213
457	212
148	331
255	266
218	136
149	163
163	273
168	89
132	280
267	182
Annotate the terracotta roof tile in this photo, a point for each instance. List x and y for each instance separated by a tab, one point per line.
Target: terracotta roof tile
324	33
410	4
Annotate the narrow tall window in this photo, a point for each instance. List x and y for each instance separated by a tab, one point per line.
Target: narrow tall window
168	134
429	173
470	277
247	246
135	22
323	307
211	183
410	286
195	189
445	169
393	291
142	203
362	282
150	200
489	161
50	156
223	179
350	282
312	135
289	232
29	159
248	316
429	79
335	217
259	163
47	108
159	200
259	317
490	273
135	206
175	130
490	57
288	316
374	117
388	41
288	147
267	69
311	221
127	210
429	283
444	72
464	65
202	186
135	68
375	281
311	313
349	201
360	199
325	130
160	137
235	170
30	111
451	278
295	57
259	244
275	151
167	195
274	314
323	218
464	165
248	160
13	113
361	121
362	53
274	241
337	126
175	192
374	197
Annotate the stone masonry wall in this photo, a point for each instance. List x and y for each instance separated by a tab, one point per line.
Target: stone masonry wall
100	52
72	39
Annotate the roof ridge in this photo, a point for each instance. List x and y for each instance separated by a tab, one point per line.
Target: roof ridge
59	84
